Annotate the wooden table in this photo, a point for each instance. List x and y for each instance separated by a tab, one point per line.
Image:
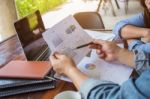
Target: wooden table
11	49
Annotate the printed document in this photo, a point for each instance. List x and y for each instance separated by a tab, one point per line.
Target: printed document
65	36
102	70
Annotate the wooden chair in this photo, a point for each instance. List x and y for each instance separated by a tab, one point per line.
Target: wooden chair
89	20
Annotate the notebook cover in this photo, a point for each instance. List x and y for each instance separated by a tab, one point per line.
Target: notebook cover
27	88
9	83
25	69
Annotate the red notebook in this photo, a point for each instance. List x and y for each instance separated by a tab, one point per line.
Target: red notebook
25	69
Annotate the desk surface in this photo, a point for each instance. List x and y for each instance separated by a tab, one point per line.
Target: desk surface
12	50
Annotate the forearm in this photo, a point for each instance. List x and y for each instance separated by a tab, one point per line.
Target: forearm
76	76
126	57
131	32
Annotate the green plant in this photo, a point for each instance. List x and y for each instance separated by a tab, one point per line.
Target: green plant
25	7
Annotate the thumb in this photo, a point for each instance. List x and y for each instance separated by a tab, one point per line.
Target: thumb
58	55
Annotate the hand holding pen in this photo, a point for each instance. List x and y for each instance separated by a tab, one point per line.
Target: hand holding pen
84	45
88	44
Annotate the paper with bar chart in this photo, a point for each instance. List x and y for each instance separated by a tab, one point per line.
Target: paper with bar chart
65	36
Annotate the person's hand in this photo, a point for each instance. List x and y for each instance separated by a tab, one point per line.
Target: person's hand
106	50
146	36
61	63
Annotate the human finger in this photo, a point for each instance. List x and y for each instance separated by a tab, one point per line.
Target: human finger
53	59
54	56
95	46
99	41
98	51
102	56
58	55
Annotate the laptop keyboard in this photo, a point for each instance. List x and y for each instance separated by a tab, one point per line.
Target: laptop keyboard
43	54
40	54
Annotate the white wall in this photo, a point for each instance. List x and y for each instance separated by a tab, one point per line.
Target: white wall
7	18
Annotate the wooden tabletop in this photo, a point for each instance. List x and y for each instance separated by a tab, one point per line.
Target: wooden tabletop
11	49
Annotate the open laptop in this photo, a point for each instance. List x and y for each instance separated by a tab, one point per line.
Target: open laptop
29	30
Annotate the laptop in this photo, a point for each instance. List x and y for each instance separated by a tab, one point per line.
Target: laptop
29	30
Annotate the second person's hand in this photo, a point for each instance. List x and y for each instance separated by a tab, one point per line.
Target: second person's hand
106	50
109	51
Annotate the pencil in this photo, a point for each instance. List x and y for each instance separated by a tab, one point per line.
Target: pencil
84	45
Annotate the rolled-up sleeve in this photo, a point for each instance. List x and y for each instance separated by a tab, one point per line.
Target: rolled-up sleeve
136	20
92	84
94	89
133	45
142	61
134	88
139	45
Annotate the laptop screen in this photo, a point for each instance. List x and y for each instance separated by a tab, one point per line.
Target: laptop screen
29	30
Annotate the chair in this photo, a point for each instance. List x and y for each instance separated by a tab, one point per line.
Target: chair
89	20
103	3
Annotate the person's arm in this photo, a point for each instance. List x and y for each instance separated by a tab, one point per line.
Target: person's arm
97	89
76	76
126	57
133	32
109	51
129	28
94	89
131	89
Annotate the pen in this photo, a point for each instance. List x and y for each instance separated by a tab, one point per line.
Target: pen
84	45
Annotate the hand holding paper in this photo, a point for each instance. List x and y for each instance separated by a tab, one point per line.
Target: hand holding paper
57	60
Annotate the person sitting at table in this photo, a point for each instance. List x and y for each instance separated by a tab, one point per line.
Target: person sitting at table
134	88
136	28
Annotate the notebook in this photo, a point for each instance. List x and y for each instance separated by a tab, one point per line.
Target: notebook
13	86
16	86
25	69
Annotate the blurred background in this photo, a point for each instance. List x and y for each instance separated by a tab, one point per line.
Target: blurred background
55	10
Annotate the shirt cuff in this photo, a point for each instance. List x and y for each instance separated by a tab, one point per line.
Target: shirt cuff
117	30
134	43
142	61
88	85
